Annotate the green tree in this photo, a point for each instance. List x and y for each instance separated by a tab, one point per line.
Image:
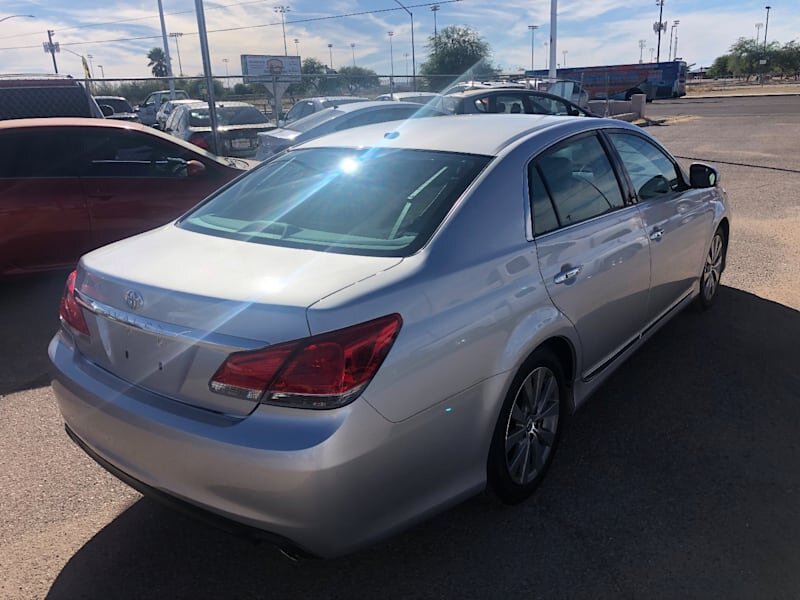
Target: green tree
357	79
196	88
317	80
719	69
458	53
787	60
158	62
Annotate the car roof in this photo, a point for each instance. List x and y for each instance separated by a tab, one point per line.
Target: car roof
487	135
110	98
220	103
354	106
494	91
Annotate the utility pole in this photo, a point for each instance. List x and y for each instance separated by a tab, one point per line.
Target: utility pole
282	10
52	48
166	50
330	53
353	48
435	9
766	30
204	53
642	44
533	29
659	27
175	37
553	31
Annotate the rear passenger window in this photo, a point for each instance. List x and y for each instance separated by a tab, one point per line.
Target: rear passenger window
544	216
28	153
580	180
652	172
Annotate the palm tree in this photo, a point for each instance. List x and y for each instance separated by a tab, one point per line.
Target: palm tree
158	62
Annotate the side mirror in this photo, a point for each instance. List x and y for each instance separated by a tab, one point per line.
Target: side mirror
703	176
106	110
195	168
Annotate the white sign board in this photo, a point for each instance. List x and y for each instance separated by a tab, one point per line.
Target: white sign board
258	68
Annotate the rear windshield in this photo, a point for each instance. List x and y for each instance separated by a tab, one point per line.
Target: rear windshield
120	105
373	202
227	115
44	101
314	120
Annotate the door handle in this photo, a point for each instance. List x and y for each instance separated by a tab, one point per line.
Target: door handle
565	276
657	234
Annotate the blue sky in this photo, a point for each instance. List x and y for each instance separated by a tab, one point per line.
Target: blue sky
590	31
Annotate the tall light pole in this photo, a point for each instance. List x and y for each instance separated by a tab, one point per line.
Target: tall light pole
206	56
766	31
435	9
391	63
227	75
652	51
532	29
15	16
330	53
102	72
553	37
297	46
675	24
659	27
353	48
671	31
565	58
642	44
52	48
91	66
175	37
759	27
282	10
413	51
166	51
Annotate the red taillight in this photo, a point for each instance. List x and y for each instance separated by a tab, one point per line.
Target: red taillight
198	139
323	371
69	310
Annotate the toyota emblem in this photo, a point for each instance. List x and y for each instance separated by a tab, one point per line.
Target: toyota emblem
134	300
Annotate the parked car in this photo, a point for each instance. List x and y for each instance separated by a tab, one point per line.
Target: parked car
465	86
238	125
510	100
148	110
122	109
70	185
166	110
32	96
382	322
308	106
418	97
329	120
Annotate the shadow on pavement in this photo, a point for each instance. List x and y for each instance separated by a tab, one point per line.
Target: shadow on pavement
680	479
28	320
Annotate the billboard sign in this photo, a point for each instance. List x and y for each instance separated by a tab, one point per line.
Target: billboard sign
259	68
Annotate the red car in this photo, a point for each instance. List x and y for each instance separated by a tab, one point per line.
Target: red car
70	185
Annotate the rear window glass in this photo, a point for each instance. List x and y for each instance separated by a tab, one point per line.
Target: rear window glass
315	120
373	202
120	105
227	115
44	101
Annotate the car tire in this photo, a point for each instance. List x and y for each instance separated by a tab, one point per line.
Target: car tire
713	266
529	428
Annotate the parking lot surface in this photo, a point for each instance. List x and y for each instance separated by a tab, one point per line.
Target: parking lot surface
679	480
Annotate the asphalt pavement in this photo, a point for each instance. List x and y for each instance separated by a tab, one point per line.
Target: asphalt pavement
681	479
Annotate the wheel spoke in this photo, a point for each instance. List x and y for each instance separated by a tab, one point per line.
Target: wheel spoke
519	453
550	409
546	437
514	438
528	394
517	414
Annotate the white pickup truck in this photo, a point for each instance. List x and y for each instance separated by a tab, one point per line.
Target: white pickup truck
148	109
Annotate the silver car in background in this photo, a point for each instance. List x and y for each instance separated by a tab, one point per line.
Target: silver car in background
329	120
382	322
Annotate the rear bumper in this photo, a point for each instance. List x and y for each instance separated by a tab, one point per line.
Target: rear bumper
323	482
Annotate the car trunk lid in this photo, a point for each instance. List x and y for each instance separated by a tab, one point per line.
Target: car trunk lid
166	308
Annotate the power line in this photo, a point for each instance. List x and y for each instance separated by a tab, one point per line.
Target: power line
228	29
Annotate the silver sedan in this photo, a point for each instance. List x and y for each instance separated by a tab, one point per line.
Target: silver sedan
379	323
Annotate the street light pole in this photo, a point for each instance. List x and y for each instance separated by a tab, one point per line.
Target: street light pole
533	29
413	51
102	72
675	24
766	30
391	63
353	48
553	37
282	10
206	56
565	58
642	44
759	27
227	75
166	50
175	37
297	46
671	31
